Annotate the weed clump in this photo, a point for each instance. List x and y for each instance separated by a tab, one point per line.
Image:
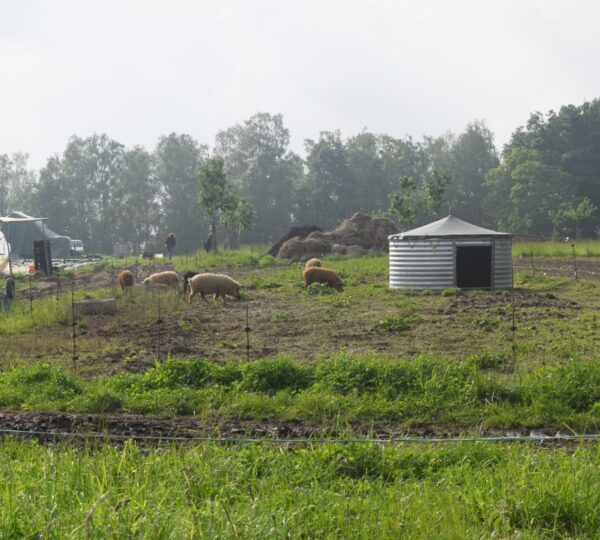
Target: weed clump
451	291
576	385
102	401
319	289
349	375
196	373
43	384
491	362
394	324
270	376
270	285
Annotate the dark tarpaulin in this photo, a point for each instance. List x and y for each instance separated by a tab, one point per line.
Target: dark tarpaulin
21	235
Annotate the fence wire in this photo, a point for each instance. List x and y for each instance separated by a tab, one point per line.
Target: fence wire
539	438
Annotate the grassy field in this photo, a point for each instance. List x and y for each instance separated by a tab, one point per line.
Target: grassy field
330	491
556	321
367	355
344	393
340	364
582	248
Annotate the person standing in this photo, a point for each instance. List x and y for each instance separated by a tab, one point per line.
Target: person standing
170	243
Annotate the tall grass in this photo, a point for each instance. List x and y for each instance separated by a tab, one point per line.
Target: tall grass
43	312
251	256
355	491
350	391
583	248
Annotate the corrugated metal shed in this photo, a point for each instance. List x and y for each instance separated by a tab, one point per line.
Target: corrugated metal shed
450	253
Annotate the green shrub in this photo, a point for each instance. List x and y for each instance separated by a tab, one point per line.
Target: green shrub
185	401
44	382
173	373
344	375
270	376
43	385
576	385
399	379
100	401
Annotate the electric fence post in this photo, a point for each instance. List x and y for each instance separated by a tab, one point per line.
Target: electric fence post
513	328
73	324
247	329
158	330
30	294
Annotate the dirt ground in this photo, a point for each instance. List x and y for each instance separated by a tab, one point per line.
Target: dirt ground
587	268
281	322
87	428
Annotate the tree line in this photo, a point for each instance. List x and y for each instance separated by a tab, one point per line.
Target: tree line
546	181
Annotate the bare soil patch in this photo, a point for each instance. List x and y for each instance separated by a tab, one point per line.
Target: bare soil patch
587	268
56	427
522	299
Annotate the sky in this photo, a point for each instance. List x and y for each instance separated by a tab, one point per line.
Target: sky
139	69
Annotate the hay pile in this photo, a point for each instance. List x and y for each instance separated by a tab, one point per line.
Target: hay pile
294	232
354	237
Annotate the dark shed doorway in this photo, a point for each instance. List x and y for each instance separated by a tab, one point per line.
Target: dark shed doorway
474	267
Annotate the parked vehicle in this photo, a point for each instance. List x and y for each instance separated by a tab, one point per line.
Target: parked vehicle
77	247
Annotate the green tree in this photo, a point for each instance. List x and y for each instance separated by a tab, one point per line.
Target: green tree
140	203
567	140
215	193
472	155
402	158
411	204
86	180
524	192
238	218
329	184
16	183
91	169
407	203
264	171
371	185
435	189
175	162
53	198
574	215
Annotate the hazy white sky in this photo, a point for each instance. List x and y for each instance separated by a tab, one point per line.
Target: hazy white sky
137	69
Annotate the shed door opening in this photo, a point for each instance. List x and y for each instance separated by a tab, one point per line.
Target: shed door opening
474	267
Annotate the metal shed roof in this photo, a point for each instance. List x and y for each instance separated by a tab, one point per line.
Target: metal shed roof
448	227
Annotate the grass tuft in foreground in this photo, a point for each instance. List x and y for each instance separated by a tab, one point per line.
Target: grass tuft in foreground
258	491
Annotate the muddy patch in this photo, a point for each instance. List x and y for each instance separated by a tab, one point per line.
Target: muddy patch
116	429
503	299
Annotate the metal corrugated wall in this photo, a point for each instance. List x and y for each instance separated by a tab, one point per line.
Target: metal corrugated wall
503	263
421	264
429	264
